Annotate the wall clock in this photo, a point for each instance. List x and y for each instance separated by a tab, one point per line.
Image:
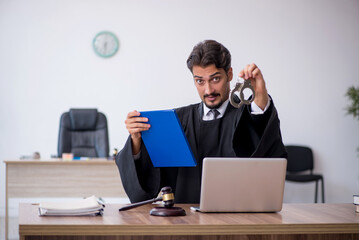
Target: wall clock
105	44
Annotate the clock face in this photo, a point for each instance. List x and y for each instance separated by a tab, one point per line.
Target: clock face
105	44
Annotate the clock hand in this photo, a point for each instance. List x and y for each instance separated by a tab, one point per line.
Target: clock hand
105	47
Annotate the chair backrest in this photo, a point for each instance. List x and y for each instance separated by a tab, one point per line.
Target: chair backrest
300	158
84	133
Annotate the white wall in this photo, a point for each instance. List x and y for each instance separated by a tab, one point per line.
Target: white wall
308	51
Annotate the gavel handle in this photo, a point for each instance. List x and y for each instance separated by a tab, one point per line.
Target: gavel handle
139	204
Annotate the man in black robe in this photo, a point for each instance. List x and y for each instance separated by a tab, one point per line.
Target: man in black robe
214	128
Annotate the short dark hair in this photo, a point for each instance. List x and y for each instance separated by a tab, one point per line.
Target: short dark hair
209	52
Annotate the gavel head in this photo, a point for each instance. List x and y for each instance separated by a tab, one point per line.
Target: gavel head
167	197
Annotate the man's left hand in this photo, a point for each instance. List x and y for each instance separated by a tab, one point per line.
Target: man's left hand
253	73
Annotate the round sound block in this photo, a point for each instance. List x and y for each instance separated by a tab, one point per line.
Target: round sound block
166	212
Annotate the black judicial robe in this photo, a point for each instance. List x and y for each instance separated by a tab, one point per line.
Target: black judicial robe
237	134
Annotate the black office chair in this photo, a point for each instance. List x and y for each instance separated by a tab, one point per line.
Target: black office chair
84	133
300	159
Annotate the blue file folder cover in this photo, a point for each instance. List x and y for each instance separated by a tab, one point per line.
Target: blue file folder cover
165	141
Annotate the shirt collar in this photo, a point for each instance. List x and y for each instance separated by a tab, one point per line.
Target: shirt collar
221	110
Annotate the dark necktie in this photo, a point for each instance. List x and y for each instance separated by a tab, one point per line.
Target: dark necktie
215	113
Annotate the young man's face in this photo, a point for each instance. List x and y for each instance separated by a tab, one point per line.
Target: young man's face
212	84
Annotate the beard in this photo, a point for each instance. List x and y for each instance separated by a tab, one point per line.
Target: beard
213	106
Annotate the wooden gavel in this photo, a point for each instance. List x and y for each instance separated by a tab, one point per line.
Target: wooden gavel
166	196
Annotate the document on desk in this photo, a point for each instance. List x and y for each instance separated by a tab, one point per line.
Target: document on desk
87	206
165	141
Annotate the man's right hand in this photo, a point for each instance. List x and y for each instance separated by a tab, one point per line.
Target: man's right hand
135	124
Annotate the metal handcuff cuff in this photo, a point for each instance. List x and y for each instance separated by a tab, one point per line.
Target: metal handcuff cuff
240	88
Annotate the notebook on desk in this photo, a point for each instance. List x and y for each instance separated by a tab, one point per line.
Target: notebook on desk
242	184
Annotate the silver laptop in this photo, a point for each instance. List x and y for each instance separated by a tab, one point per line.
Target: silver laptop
242	184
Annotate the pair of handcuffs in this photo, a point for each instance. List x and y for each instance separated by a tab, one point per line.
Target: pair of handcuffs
240	88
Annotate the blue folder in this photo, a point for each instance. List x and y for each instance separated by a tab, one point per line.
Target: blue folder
165	141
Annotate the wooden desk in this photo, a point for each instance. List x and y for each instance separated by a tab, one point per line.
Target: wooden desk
295	221
58	178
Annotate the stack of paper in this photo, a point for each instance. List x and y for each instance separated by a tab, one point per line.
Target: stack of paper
87	206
